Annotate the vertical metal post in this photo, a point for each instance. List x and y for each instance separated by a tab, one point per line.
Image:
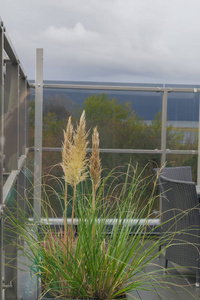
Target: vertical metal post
38	133
27	117
11	150
11	263
22	116
1	154
27	113
11	112
198	158
164	127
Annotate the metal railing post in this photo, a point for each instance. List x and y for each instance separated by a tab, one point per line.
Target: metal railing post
38	133
1	154
11	117
164	127
38	141
22	115
11	150
198	156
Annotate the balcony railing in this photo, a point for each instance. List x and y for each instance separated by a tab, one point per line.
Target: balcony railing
14	140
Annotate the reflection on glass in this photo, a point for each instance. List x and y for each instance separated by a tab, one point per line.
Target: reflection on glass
118	163
125	120
176	160
182	115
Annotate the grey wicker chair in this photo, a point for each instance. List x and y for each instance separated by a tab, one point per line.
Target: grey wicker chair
181	216
177	173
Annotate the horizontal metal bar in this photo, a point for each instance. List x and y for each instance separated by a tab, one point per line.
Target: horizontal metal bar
101	87
22	73
10	49
47	149
132	222
169	151
12	178
117	88
98	87
10	182
21	161
126	151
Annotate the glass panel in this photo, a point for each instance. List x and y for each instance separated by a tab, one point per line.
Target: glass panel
183	116
52	180
11	115
125	120
53	174
29	178
176	160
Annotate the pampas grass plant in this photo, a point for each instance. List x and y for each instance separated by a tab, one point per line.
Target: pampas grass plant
108	257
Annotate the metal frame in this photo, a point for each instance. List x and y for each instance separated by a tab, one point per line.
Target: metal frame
1	155
14	91
164	90
38	134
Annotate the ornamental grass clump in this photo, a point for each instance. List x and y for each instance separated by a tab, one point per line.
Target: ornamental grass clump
108	256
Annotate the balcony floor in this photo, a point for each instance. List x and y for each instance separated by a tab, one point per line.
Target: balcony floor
182	288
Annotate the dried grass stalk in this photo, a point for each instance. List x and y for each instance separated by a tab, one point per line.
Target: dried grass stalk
75	160
65	161
95	166
67	144
95	163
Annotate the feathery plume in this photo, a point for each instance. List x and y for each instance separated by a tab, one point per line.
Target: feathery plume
95	163
65	161
75	169
95	167
67	145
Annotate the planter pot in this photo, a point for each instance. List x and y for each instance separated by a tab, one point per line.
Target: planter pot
124	297
120	298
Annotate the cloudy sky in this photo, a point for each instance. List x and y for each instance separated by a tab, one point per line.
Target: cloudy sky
147	41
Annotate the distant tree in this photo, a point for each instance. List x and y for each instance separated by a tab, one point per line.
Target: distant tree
100	108
121	128
60	106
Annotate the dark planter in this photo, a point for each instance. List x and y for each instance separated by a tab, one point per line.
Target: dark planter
120	298
124	297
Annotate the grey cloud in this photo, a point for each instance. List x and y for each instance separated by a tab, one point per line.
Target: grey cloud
114	40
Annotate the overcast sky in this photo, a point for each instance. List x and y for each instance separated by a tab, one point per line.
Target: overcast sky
147	41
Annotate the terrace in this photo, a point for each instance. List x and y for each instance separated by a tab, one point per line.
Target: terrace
24	145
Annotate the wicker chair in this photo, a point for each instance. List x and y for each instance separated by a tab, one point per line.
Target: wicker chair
181	216
177	173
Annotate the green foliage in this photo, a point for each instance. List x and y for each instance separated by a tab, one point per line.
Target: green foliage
52	124
121	128
100	108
